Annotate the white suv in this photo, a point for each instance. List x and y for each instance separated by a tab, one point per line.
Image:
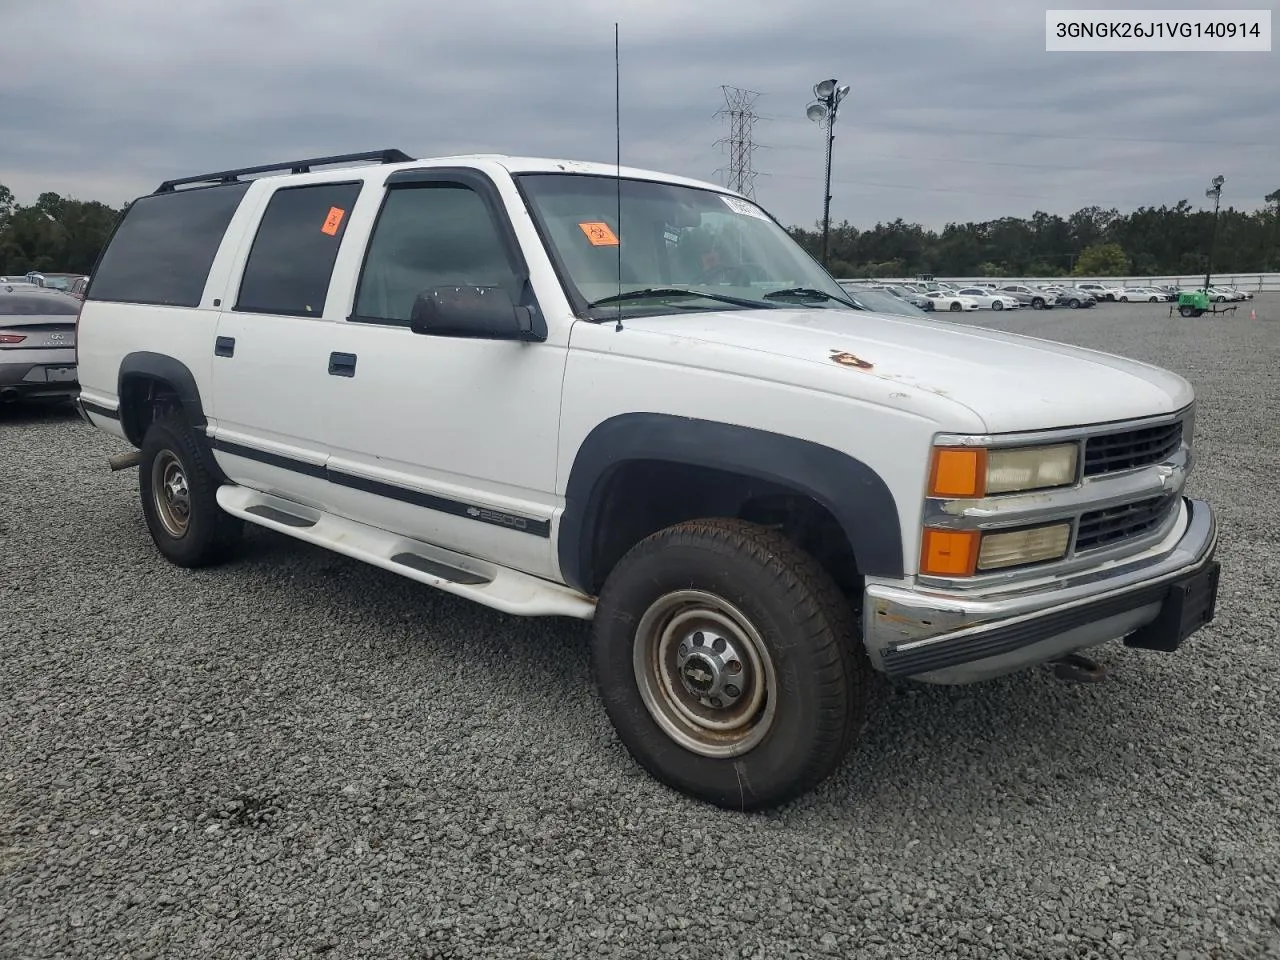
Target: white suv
472	372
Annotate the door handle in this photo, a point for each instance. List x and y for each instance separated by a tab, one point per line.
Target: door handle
342	364
224	346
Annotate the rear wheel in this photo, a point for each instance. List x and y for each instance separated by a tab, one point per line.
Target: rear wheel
1037	303
178	487
728	663
997	304
955	307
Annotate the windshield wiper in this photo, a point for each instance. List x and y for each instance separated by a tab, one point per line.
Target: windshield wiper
670	293
806	293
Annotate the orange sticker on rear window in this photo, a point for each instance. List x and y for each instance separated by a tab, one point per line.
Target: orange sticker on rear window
599	234
333	221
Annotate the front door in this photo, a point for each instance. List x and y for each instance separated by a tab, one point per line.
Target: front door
447	440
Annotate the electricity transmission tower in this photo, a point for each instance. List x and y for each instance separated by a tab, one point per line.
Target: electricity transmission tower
739	111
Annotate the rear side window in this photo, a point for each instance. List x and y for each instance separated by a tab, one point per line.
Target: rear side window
18	305
164	246
293	253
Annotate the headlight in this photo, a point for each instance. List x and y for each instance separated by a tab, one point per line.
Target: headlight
962	553
977	472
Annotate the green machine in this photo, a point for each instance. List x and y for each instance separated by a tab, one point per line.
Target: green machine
1193	303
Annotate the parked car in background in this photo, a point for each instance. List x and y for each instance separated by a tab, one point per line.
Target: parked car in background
78	288
988	299
1033	297
912	297
1074	297
37	344
1103	291
951	302
1140	295
880	301
60	281
18	281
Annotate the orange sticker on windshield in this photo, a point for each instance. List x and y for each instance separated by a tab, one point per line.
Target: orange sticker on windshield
599	234
333	221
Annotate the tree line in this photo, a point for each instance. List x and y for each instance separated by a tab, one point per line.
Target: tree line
1092	242
61	235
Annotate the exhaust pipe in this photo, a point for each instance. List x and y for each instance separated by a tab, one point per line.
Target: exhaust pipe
1077	668
123	461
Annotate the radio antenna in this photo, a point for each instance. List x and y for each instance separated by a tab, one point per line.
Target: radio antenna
617	134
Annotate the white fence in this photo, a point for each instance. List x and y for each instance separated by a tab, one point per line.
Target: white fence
1248	282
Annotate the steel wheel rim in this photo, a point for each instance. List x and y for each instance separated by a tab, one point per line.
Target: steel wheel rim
171	494
677	675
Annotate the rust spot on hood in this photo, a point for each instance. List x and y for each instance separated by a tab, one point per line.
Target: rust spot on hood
846	359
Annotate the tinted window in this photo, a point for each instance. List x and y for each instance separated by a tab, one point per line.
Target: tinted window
430	235
24	305
165	244
292	256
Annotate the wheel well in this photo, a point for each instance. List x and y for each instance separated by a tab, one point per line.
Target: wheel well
143	398
641	497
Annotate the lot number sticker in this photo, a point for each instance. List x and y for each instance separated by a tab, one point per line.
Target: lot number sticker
599	234
333	221
746	209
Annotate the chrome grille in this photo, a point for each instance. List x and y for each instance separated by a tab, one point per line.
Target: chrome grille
1129	449
1104	528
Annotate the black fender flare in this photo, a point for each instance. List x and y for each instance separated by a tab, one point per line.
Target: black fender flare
851	491
159	366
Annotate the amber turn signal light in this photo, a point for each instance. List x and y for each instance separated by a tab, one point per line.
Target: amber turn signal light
949	553
958	472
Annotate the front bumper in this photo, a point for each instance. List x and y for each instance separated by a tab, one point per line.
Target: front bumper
1154	602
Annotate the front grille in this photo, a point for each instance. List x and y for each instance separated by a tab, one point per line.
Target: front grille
1131	448
1102	528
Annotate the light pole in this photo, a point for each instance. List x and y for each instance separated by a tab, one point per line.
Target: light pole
826	104
1214	191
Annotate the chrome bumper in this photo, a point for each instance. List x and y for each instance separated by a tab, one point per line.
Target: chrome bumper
950	638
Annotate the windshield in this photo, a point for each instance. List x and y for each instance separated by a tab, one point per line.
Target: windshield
682	249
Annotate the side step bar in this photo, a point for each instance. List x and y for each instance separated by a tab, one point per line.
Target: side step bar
489	584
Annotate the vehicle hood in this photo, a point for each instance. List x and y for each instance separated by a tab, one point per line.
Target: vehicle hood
1009	381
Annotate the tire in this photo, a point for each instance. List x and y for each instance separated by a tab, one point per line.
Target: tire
1124	299
955	308
808	679
1153	299
1075	304
1219	299
997	304
177	484
1037	303
1187	311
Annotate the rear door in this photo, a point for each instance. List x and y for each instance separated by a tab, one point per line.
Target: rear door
271	355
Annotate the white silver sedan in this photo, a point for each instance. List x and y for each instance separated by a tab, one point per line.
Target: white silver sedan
987	299
951	302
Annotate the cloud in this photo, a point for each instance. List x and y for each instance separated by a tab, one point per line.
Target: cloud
956	111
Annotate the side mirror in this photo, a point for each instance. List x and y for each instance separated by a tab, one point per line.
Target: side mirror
482	313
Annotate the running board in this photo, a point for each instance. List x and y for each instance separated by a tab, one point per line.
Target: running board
489	584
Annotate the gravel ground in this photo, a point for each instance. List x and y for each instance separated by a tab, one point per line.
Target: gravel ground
298	755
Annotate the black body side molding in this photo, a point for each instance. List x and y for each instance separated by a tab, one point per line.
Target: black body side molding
160	367
851	491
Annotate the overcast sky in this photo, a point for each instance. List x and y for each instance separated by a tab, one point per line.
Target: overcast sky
956	112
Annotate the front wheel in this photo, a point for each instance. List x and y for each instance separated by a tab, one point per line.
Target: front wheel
997	305
178	488
1037	304
1075	304
728	663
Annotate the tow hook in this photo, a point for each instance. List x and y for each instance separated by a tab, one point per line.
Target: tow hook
1075	668
123	461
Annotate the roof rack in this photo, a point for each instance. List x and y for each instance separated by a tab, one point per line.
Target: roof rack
390	155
